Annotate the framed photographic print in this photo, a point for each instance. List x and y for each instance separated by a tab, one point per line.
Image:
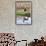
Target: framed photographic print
23	12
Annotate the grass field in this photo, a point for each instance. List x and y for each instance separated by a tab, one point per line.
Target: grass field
21	13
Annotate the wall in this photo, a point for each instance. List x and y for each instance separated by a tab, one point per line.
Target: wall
29	32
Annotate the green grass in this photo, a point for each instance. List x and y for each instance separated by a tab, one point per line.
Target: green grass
22	13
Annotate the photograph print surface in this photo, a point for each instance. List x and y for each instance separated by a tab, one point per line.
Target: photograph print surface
23	12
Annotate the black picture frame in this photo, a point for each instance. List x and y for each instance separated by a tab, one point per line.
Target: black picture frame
21	2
